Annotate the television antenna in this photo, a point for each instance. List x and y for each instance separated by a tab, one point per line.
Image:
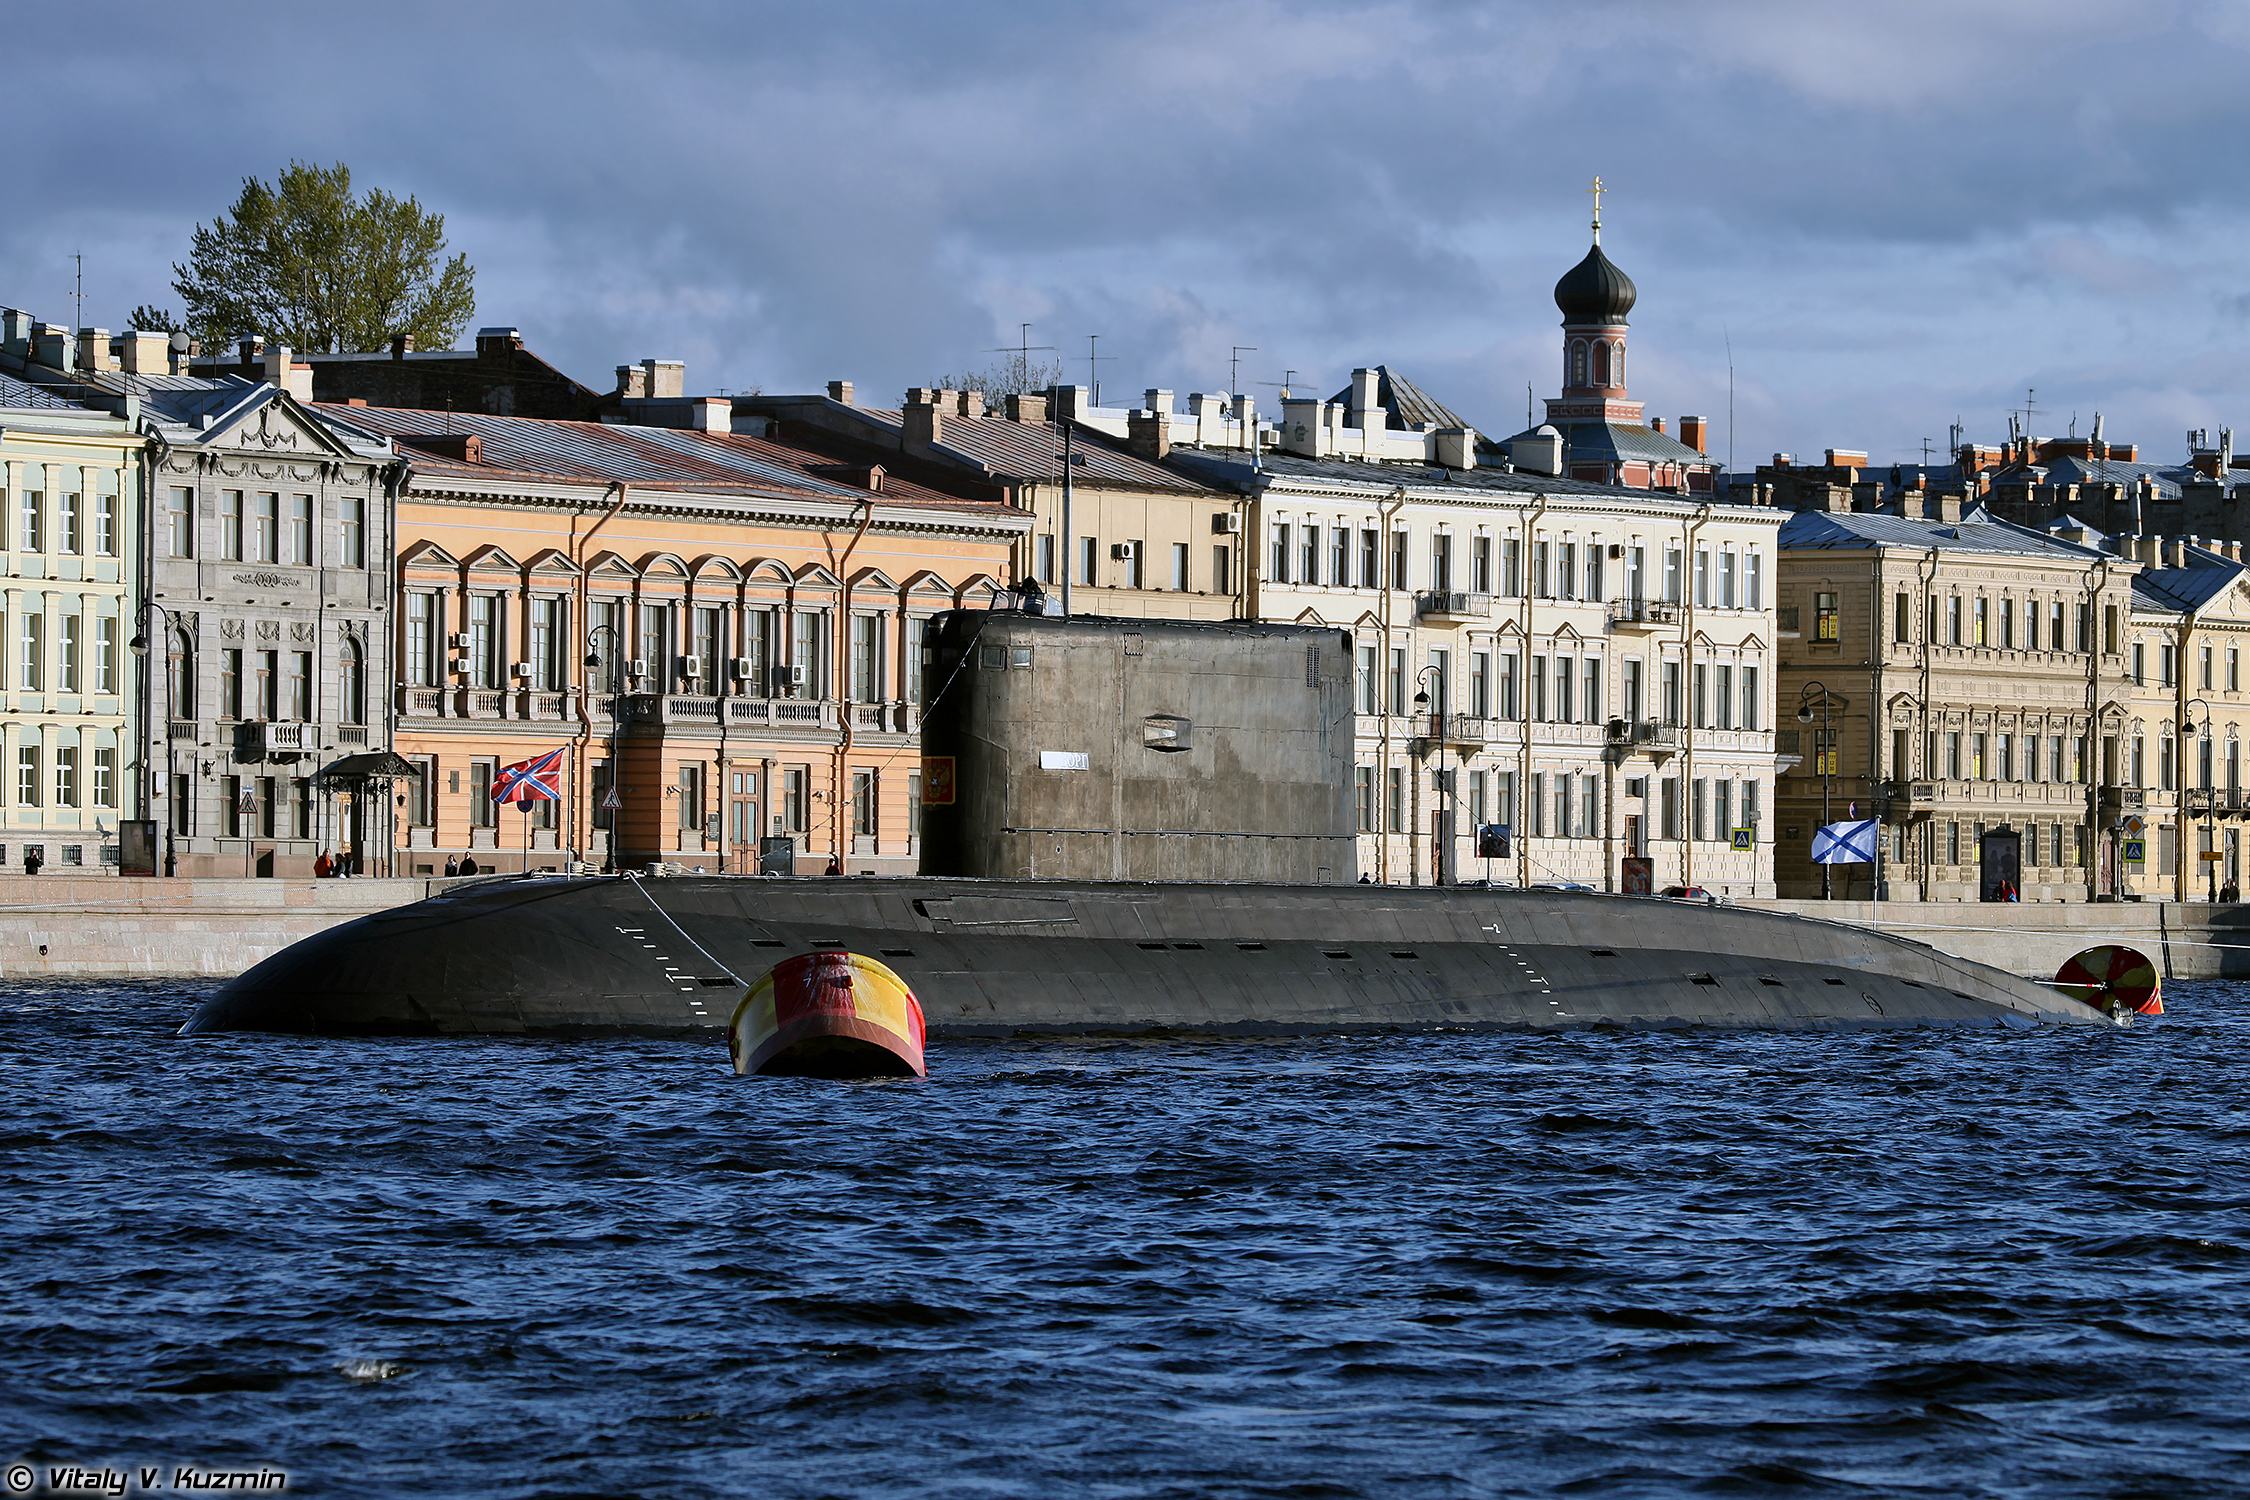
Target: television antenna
1026	348
1234	368
1093	367
1288	378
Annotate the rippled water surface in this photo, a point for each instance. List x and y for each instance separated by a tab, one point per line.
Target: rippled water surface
1945	1263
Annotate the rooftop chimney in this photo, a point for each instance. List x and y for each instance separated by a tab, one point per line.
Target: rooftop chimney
467	447
840	391
1365	383
402	344
145	353
1691	433
1846	458
632	382
1157	401
919	420
667	378
93	350
1149	433
1027	408
711	414
495	343
1656	424
971	404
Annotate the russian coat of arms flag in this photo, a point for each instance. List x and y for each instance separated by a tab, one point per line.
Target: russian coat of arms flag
527	781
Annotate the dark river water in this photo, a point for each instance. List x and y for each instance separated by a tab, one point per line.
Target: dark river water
1937	1263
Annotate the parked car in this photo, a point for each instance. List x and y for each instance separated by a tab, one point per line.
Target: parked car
1687	893
1562	885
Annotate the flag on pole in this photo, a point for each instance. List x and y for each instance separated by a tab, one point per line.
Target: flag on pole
536	780
1844	843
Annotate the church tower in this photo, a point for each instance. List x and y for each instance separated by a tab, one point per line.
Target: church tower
1594	297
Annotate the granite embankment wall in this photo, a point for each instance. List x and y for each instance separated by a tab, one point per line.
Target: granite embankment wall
105	927
2189	940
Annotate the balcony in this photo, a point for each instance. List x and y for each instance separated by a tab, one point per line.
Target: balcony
1460	729
1910	797
271	740
2125	798
1444	606
1642	614
694	709
180	729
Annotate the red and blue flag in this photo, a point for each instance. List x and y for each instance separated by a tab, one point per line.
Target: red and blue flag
527	781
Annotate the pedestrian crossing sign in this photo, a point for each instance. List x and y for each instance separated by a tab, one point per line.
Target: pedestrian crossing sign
611	801
247	802
1742	838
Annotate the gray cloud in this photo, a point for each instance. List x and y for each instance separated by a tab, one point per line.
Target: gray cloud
1897	213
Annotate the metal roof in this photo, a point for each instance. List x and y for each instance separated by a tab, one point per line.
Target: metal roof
1408	406
1019	452
1976	531
2190	588
601	452
1618	441
1233	470
18	395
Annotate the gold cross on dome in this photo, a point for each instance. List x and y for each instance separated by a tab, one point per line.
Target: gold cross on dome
1596	190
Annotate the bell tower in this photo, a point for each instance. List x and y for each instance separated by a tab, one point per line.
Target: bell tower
1594	297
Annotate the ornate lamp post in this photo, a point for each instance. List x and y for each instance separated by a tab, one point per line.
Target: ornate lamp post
139	645
616	690
2210	827
1823	750
1444	860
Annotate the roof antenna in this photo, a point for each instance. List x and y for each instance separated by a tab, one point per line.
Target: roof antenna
1728	334
81	292
1234	369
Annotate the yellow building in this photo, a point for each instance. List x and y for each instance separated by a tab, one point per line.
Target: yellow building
720	632
71	481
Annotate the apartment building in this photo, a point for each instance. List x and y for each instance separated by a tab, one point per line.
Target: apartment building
720	631
1587	667
71	481
1969	680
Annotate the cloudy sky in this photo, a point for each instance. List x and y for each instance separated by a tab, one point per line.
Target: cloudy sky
1899	214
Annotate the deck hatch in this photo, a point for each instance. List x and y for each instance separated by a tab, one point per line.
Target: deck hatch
1335	953
1602	952
1701	979
1251	947
1404	953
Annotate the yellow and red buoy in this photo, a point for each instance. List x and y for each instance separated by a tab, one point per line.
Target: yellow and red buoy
2113	979
828	1015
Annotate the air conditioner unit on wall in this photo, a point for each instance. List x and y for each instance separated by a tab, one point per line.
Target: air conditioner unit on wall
637	667
460	666
521	669
785	678
1122	551
457	640
1227	523
690	667
742	668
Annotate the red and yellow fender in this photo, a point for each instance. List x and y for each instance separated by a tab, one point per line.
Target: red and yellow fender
828	1015
2113	979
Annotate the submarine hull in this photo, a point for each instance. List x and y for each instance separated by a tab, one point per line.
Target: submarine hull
609	955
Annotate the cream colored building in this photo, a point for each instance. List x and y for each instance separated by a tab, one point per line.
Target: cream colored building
70	526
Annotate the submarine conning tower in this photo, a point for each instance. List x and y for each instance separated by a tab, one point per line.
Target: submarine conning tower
1089	748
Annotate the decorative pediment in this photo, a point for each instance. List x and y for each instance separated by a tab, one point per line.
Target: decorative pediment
610	565
1750	642
550	560
1310	617
767	570
872	578
429	555
663	565
276	425
1567	632
713	567
490	558
977	584
813	575
927	582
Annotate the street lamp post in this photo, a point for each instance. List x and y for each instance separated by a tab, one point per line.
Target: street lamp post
593	660
2210	826
139	646
1822	750
1444	861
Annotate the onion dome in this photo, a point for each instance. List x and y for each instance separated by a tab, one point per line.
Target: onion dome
1595	291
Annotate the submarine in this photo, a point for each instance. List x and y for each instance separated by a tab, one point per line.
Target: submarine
1128	827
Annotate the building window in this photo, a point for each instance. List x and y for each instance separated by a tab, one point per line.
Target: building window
301	530
1398	559
811	628
1398	680
1980	619
68	534
1750	700
867	677
105	778
1827	620
32	657
230	793
1441	561
691	796
1953	619
66	776
863	804
230	525
352	688
1180	567
1394	800
1480	565
180	522
1724	701
301	689
1086	560
1043	559
1537	694
914	804
1363	797
1222	570
1507	705
1953	755
267	538
1367	685
793	799
2140	664
351	520
269	685
66	653
105	655
105	526
1566	570
31	535
482	809
2234	669
1480	684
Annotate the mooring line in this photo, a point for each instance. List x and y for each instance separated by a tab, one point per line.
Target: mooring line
642	887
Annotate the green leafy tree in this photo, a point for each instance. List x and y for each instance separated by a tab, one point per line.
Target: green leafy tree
154	320
307	264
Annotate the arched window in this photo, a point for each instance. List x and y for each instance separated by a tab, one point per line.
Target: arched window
1578	362
1601	362
1617	364
354	684
181	679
